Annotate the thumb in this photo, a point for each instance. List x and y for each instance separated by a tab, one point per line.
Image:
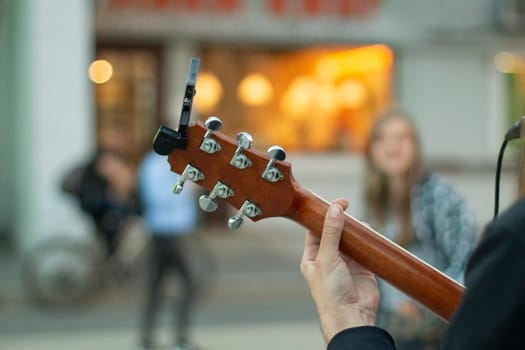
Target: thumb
331	235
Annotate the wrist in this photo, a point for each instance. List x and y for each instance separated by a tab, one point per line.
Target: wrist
334	322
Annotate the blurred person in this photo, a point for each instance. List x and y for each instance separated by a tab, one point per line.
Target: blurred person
421	212
490	315
105	190
171	220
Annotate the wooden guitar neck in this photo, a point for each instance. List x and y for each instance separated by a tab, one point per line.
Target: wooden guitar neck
384	258
258	197
262	186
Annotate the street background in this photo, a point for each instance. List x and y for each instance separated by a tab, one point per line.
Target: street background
309	75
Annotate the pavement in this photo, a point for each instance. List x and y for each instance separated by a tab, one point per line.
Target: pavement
258	300
296	335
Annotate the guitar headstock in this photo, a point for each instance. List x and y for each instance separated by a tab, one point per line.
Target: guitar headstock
258	184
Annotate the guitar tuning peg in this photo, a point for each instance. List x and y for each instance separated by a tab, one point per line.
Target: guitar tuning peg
271	173
248	209
221	190
189	173
209	144
239	159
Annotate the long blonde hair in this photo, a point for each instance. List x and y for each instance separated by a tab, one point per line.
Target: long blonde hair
378	194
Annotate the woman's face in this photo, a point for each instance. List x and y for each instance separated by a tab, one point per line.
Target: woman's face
393	151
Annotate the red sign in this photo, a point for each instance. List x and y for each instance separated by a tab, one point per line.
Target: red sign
329	8
302	8
221	6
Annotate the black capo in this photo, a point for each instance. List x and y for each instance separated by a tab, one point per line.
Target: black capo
166	139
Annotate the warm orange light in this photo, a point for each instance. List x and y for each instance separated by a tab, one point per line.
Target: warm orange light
100	71
354	61
507	62
351	93
326	98
328	68
255	90
300	96
209	92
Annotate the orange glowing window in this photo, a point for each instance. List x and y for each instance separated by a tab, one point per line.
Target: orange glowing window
318	99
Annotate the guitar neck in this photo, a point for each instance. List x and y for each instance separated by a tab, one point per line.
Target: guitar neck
384	258
277	194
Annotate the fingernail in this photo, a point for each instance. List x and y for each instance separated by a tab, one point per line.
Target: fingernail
334	211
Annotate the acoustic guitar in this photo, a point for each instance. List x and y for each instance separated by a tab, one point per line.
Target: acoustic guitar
261	185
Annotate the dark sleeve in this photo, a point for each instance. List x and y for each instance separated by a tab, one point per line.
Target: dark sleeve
92	195
362	338
492	312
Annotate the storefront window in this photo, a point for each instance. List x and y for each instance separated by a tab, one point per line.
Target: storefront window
320	99
127	94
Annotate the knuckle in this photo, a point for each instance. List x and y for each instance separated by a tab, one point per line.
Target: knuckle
302	266
305	267
331	227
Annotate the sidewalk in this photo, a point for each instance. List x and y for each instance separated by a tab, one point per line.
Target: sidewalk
259	301
281	335
259	258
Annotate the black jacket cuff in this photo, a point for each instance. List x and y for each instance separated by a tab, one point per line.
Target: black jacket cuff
362	338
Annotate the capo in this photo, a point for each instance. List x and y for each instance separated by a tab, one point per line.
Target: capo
166	139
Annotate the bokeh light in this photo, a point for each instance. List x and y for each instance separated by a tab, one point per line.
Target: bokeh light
209	92
300	96
507	62
351	94
100	71
255	90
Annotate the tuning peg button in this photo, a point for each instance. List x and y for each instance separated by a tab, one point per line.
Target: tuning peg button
221	190
271	173
209	144
239	159
248	209
189	173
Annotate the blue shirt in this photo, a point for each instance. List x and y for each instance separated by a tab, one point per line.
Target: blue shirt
165	213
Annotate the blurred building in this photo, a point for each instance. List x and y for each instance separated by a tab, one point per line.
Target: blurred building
311	75
308	74
312	65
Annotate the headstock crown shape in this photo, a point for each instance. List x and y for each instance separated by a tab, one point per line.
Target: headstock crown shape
259	185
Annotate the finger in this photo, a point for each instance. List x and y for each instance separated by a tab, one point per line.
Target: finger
343	202
311	244
311	247
333	225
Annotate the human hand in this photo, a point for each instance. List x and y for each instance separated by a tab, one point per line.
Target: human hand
346	294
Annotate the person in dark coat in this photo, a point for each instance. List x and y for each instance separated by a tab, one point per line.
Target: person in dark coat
105	190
